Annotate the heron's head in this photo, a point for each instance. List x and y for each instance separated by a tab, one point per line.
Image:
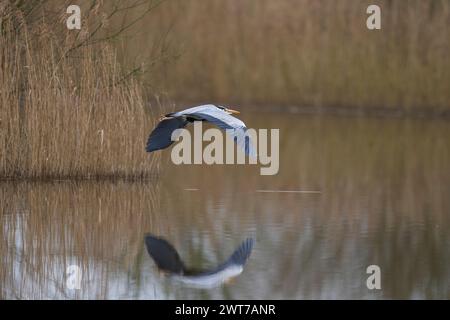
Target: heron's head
228	110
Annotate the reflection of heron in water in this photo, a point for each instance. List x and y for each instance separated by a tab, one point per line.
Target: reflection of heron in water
168	261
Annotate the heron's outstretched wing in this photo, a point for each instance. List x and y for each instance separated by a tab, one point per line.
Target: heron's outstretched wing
161	136
168	260
242	139
164	255
242	253
233	126
216	116
237	259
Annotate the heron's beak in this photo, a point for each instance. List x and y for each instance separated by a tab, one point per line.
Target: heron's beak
233	111
163	118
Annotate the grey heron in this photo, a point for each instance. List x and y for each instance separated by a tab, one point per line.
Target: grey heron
168	261
161	136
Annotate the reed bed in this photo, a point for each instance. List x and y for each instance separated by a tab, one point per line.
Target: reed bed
63	115
69	108
303	52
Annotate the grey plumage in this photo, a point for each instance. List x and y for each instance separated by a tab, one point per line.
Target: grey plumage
160	138
168	260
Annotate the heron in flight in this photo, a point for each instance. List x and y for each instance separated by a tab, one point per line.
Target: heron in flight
161	136
170	263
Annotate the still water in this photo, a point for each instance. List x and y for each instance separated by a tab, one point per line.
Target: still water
383	198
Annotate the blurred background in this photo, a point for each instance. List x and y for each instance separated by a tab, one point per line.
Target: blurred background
298	53
363	119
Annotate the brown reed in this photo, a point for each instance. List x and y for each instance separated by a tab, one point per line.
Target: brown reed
303	52
66	115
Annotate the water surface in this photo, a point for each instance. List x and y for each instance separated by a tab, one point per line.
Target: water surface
384	199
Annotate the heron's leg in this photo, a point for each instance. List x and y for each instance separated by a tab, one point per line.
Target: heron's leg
230	280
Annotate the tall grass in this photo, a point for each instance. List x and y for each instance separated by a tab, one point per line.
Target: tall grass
68	109
304	52
67	116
